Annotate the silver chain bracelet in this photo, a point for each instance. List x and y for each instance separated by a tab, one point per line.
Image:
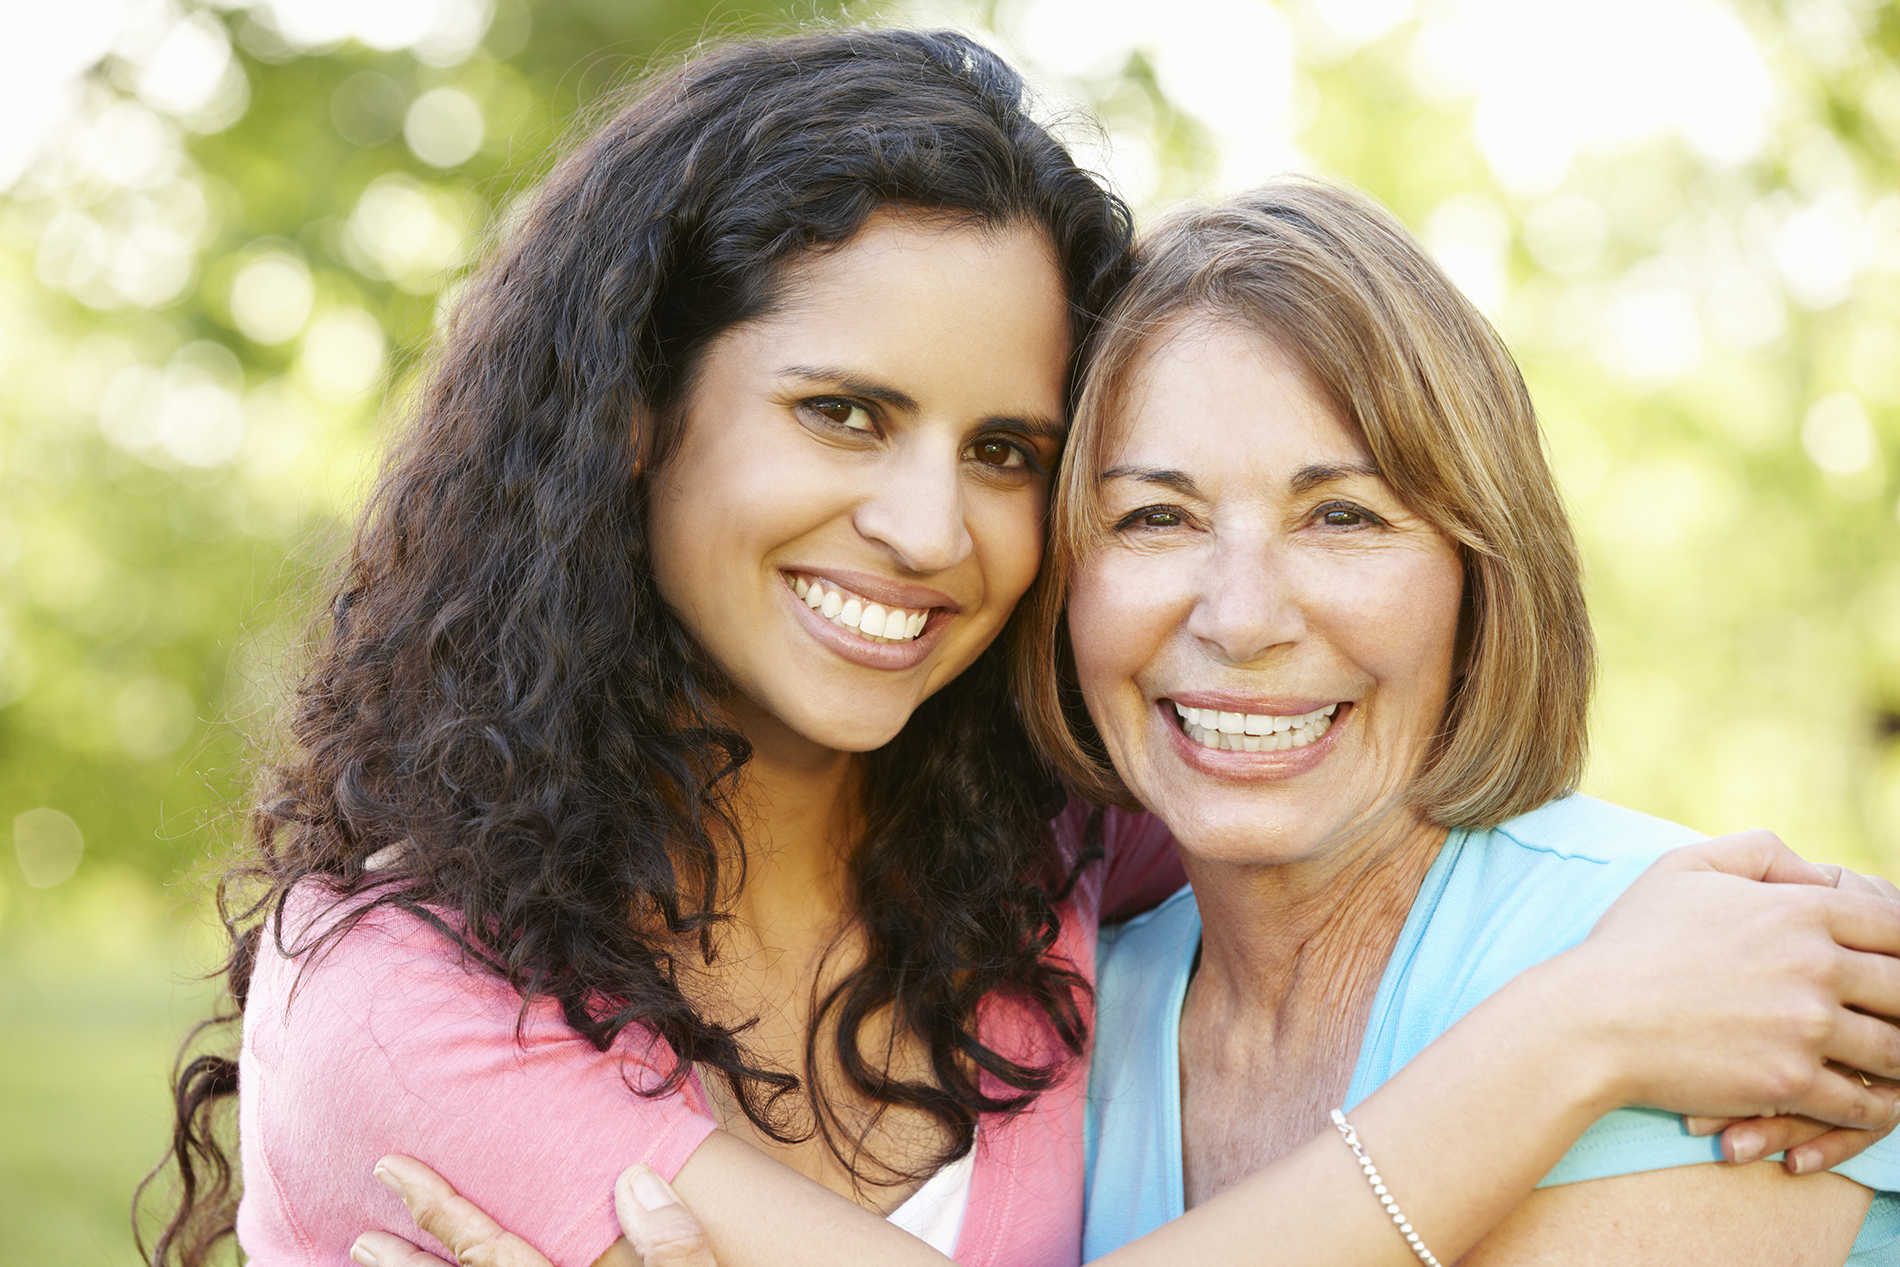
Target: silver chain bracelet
1378	1190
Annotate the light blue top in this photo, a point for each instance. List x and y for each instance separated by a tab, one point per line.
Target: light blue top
1492	904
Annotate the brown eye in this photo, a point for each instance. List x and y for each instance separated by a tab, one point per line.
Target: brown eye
998	453
841	413
1344	517
1161	519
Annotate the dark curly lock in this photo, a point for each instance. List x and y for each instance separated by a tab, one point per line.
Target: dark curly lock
502	692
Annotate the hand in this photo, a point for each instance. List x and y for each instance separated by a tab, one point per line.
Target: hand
659	1231
1730	992
1808	1146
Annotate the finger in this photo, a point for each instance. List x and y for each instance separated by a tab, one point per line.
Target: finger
475	1239
662	1229
1860	921
1710	1125
1838	1099
380	1249
1855	882
1870	983
1831	1149
1753	1138
1753	855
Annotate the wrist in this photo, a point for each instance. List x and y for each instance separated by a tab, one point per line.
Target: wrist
1578	1033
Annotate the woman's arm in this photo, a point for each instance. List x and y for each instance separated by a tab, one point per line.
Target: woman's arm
1698	991
1695	986
1734	1215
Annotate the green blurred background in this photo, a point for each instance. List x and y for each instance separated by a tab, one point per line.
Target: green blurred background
228	231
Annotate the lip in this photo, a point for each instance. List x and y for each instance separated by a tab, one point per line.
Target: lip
880	589
889	656
1253	766
1281	706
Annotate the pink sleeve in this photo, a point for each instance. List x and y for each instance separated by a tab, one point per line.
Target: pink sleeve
388	1045
1141	864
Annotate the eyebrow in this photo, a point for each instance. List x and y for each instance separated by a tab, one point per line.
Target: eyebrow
1304	480
852	384
1180	481
1308	478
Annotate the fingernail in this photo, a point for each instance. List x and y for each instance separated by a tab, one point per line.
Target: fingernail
1745	1145
387	1178
360	1255
1804	1161
648	1190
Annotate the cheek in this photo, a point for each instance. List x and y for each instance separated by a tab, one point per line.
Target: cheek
1006	533
1411	618
1112	635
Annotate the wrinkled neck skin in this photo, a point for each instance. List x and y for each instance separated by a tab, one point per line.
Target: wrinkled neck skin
1291	958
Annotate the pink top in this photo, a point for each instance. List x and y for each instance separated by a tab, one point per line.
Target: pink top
386	1043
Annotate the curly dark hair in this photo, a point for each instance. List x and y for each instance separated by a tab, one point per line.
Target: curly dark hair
500	690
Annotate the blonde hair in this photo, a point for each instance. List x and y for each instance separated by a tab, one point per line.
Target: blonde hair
1326	273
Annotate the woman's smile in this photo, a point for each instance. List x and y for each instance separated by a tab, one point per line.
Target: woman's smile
1237	730
877	635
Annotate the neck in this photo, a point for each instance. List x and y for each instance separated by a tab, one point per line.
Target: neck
1308	937
1291	959
799	810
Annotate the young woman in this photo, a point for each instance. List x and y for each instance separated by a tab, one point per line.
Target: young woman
661	795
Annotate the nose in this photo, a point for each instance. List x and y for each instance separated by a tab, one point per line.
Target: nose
1248	601
917	508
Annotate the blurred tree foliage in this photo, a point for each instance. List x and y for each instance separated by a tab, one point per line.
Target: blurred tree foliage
215	295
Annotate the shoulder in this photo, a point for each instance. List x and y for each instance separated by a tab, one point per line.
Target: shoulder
1494	903
387	1000
1582	829
385	1038
337	973
1534	885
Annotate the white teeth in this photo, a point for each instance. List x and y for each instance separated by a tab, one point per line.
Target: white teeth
873	621
1253	732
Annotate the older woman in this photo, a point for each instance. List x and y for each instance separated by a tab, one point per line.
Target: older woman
1327	620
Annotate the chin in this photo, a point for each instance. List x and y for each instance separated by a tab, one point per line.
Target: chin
858	735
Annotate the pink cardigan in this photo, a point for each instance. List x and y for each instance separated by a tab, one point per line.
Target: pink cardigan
386	1043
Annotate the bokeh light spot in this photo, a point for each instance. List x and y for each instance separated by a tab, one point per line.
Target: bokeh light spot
342	354
48	845
444	128
271	297
1837	436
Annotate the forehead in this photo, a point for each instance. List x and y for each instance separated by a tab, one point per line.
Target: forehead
969	318
920	252
1213	391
